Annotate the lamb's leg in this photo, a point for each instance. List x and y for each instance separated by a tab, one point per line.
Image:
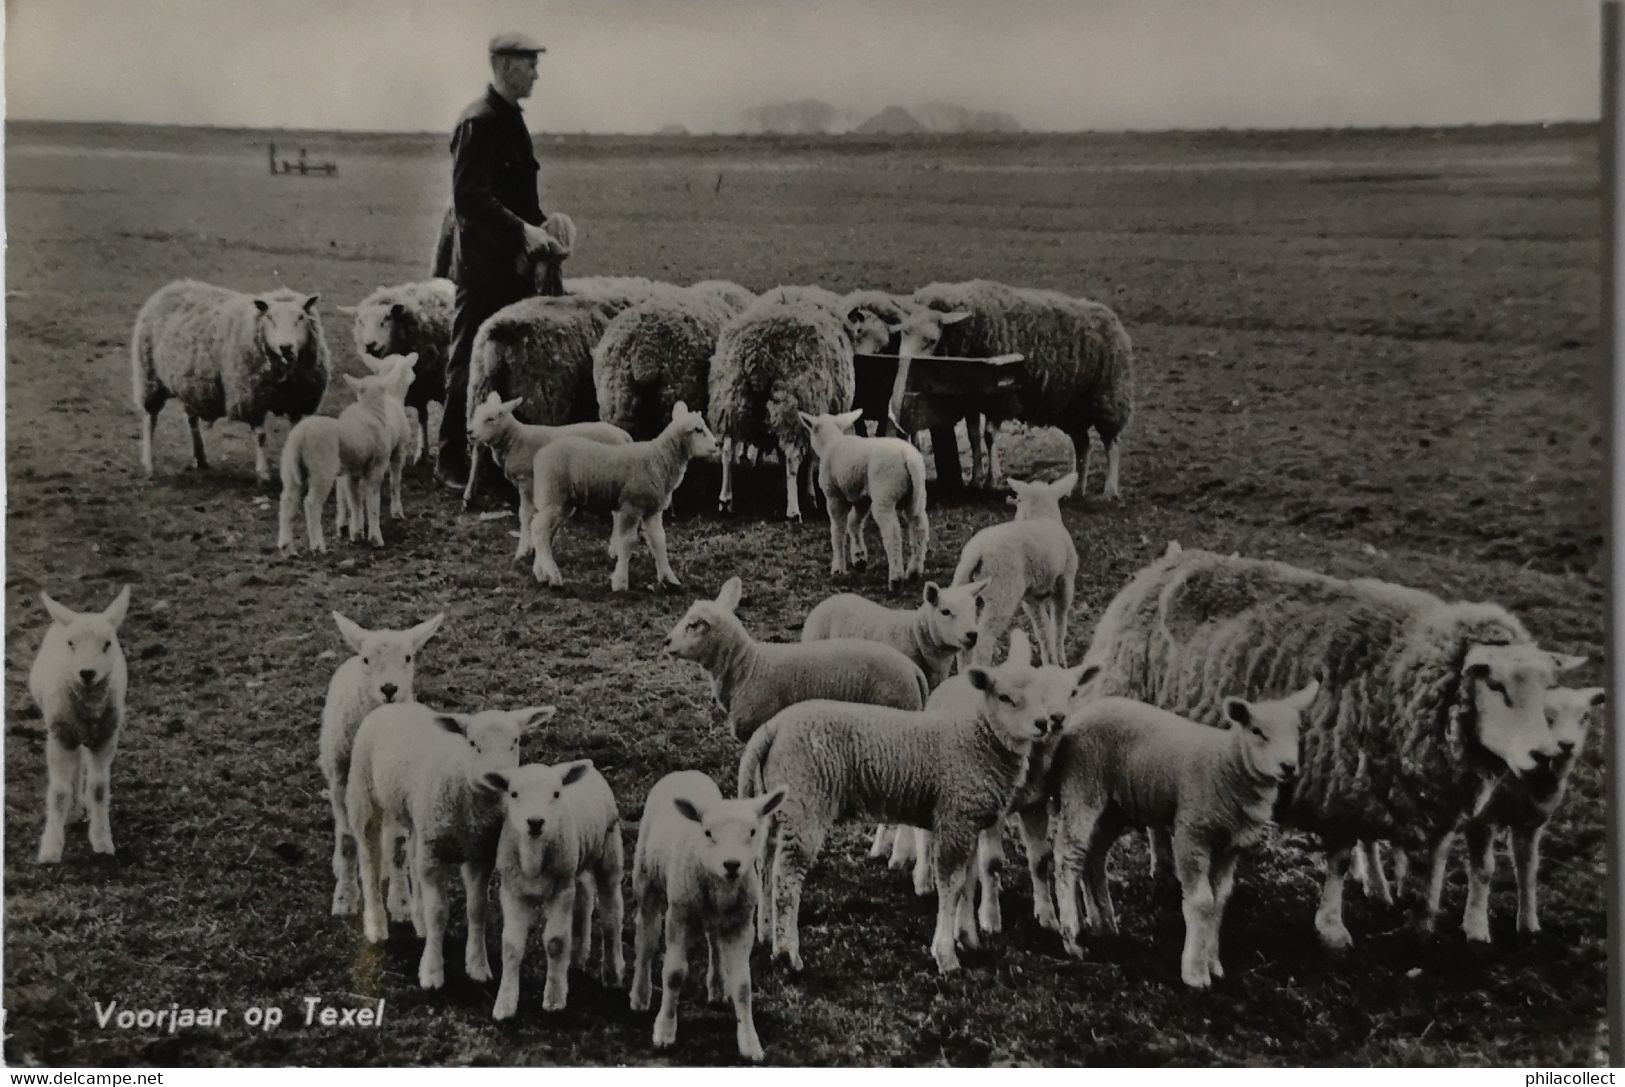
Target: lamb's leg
262	462
1475	919
1438	863
1034	824
1334	935
654	530
516	921
965	930
346	878
1402	870
1192	861
674	973
476	888
1526	865
735	958
715	991
924	848
919	543
612	965
885	839
646	944
725	500
61	767
396	860
397	465
374	484
1224	881
953	852
1159	847
1376	880
431	887
1097	891
527	512
149	423
316	491
200	459
891	536
989	864
792	496
364	827
623	532
556	933
857	546
839	519
800	839
581	921
544	524
97	784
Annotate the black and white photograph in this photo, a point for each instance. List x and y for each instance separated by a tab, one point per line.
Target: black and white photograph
855	533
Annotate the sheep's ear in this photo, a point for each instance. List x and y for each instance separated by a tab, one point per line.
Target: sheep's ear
421	633
353	634
977	588
678	410
1477	670
686	808
932	593
510	406
808	421
493	397
348	310
452	723
1238	712
1594	696
1303	698
767	804
1020	486
1173	549
397	311
58	612
310	303
1062	487
981	679
1084	673
728	598
955	317
354	382
114	615
1564	663
409	360
262	305
848	419
533	717
493	782
575	771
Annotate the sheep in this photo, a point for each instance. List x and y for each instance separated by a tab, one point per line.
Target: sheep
560	855
1424	703
930	635
1124	764
790	351
79	681
544	274
418	772
635	481
953	772
659	352
380	672
696	862
754	680
861	477
352	450
404	436
1029	562
1078	372
225	354
725	291
410	319
515	445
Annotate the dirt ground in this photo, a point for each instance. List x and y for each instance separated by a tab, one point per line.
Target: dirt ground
1367	353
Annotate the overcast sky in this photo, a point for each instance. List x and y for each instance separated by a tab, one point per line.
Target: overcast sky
634	65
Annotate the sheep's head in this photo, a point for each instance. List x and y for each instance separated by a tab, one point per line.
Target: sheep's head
920	333
387	655
731	831
1012	693
1268	731
869	331
1041	501
951	613
1065	690
89	639
379	327
697	437
286	324
823	430
400	369
689	639
493	736
1507	686
492	416
536	800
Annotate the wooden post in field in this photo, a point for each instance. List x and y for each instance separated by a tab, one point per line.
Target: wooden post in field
271	147
1613	276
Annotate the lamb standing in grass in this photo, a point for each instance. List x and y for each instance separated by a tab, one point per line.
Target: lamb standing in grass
1028	563
380	672
225	354
1124	764
410	319
696	863
635	481
79	680
418	773
930	635
560	856
754	680
514	446
862	476
1424	704
952	772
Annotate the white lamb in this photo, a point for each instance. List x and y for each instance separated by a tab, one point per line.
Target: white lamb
635	481
1029	562
930	635
753	680
410	318
696	862
78	681
380	672
560	855
405	442
417	772
953	772
1124	765
870	476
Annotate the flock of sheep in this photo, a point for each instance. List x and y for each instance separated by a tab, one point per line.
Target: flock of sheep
1219	695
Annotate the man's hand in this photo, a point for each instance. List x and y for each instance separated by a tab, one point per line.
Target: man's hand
539	243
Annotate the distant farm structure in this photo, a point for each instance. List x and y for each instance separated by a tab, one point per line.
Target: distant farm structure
303	167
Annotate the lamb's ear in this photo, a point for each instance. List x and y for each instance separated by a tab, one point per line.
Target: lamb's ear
262	305
575	770
687	809
1477	670
354	382
1594	696
977	588
678	410
808	421
932	593
981	679
766	805
114	615
410	360
59	613
1303	698
493	782
1238	712
533	717
510	406
1020	486
955	317
728	598
849	419
1084	673
421	633
1062	487
453	723
352	633
493	397
1565	663
310	303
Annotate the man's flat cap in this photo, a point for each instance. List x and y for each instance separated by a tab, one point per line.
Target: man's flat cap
515	43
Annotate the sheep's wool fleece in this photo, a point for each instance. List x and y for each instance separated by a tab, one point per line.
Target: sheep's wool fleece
773	360
539	349
1390	752
202	344
655	354
424	327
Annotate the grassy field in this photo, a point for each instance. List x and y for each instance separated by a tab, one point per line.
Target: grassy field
1368	353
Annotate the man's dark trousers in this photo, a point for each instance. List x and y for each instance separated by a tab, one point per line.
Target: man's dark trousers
472	308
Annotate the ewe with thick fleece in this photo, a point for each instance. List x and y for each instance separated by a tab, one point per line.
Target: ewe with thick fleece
78	680
381	671
953	772
1123	765
225	354
789	352
418	773
696	863
353	450
635	481
1029	563
410	319
930	635
1424	704
559	855
863	476
514	445
753	680
1078	371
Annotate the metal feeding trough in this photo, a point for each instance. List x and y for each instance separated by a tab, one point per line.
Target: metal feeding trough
933	391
